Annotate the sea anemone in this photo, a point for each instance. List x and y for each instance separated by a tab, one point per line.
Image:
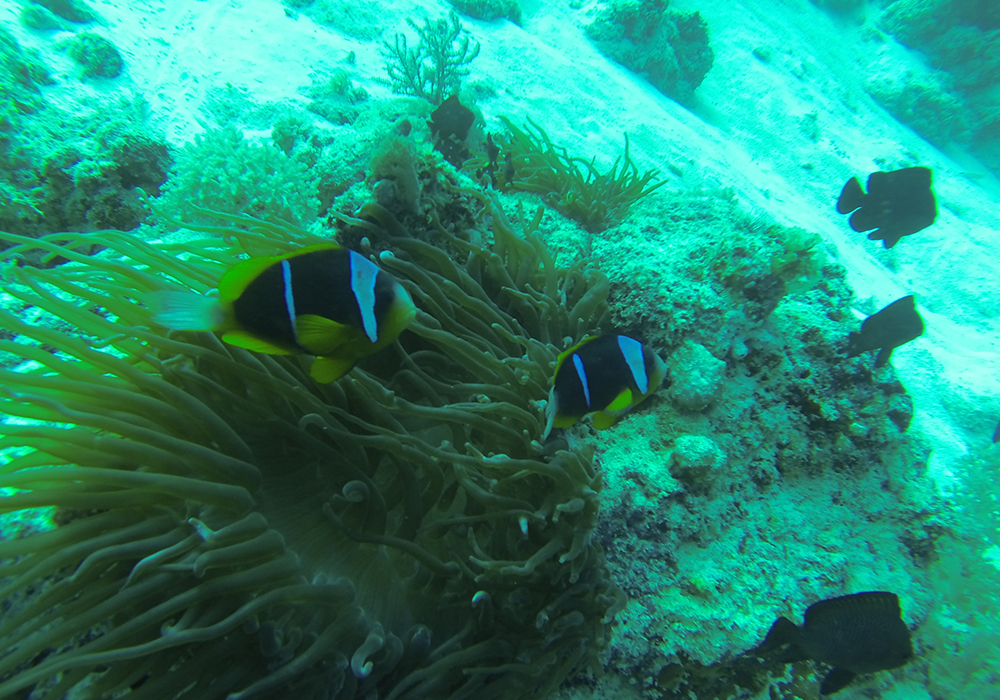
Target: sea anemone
235	530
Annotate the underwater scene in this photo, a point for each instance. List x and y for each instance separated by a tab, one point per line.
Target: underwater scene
499	349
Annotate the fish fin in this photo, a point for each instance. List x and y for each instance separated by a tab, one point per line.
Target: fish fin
853	344
889	238
247	341
622	402
185	311
564	422
322	336
865	219
569	351
782	632
603	421
996	434
851	197
883	357
239	276
836	679
551	408
791	654
310	249
329	369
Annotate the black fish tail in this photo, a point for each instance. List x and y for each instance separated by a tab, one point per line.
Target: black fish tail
851	197
883	357
782	632
888	239
996	434
835	680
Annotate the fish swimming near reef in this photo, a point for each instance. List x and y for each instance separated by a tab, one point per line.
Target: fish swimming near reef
607	375
886	330
898	203
322	300
855	634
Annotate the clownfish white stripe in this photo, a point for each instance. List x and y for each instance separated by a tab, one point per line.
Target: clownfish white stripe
632	351
582	374
363	274
286	279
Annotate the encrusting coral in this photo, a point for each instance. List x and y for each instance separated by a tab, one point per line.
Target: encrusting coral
238	531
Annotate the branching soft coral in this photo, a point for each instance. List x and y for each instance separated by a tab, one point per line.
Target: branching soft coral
434	68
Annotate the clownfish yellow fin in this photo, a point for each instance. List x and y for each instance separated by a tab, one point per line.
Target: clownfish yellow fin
329	369
185	311
243	339
322	336
240	275
565	421
621	402
603	421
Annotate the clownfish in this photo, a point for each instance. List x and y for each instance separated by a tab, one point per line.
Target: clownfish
607	376
322	300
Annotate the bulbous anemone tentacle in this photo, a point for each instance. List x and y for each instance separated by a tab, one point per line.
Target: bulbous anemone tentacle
236	530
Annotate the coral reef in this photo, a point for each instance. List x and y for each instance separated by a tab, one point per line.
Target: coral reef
40	19
840	5
572	185
712	489
434	68
221	169
336	99
489	9
96	55
70	170
671	49
924	102
398	532
358	19
73	10
962	38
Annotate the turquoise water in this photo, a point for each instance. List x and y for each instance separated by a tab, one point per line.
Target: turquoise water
193	510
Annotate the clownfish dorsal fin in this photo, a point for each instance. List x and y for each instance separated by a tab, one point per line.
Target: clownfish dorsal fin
247	341
321	336
565	354
240	275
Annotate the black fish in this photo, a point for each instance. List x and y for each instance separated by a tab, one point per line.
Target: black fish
858	633
898	203
896	324
450	124
996	434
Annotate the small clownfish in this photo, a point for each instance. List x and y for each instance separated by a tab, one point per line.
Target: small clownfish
607	376
322	300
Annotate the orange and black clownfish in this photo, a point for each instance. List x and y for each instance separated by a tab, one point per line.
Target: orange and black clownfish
322	300
607	376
